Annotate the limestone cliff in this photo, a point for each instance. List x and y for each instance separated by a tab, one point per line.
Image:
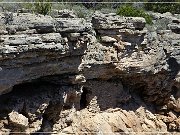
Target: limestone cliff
109	75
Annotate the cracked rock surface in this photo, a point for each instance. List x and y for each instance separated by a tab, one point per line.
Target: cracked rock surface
65	75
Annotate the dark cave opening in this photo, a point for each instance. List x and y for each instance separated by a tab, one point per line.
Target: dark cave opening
139	89
174	91
83	100
29	88
23	93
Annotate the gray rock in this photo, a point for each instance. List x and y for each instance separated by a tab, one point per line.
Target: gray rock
175	27
72	25
138	22
107	21
108	39
63	14
44	28
51	37
26	21
73	36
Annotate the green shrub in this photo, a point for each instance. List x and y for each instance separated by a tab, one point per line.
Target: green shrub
174	8
81	11
42	7
130	11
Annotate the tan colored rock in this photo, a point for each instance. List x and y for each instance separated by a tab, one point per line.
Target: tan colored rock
174	103
125	119
35	126
149	123
177	105
177	121
18	120
93	106
116	123
68	130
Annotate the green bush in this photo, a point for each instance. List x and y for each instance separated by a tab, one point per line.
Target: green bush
174	8
130	11
42	7
81	11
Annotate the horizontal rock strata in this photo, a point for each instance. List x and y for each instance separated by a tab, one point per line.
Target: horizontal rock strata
64	74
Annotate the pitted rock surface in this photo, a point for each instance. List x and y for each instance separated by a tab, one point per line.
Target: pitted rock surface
65	75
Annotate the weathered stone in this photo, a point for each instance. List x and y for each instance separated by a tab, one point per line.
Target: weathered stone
107	39
26	21
52	37
44	28
63	14
18	120
73	36
78	79
108	21
63	79
138	22
72	25
174	27
68	130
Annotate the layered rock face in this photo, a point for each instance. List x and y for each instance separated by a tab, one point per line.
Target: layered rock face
66	75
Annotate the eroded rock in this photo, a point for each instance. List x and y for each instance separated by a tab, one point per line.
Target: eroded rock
59	77
18	120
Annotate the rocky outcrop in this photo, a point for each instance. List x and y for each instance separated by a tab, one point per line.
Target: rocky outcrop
35	43
67	75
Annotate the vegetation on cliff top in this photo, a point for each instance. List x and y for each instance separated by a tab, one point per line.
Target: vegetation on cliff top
42	6
130	11
83	6
172	6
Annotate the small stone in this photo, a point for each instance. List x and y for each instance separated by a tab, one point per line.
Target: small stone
78	79
172	126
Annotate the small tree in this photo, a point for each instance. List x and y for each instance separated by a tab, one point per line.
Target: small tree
130	11
173	6
43	6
